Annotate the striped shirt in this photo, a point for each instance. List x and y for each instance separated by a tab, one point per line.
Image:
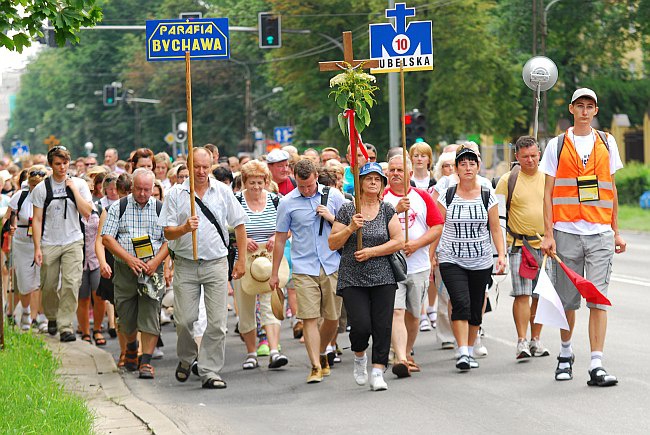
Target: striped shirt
261	226
465	239
136	222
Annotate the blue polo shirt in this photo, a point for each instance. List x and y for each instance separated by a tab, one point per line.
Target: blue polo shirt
309	251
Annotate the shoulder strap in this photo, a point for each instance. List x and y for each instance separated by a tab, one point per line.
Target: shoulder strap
323	201
451	191
293	182
159	205
512	181
213	220
240	197
21	199
98	205
485	195
123	202
276	200
560	145
603	137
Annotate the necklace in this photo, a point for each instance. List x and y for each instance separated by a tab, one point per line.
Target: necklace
369	210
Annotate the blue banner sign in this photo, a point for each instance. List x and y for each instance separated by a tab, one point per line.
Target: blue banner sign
205	39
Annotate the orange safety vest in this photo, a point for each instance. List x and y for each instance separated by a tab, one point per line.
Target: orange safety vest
566	204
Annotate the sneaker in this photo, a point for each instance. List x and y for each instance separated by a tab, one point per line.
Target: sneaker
277	360
473	364
523	349
433	318
337	359
480	350
447	345
164	317
361	370
25	321
263	349
51	327
537	349
315	376
425	325
377	382
462	363
325	366
42	323
331	358
157	353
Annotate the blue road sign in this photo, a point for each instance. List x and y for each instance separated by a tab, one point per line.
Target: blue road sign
19	149
283	134
205	39
408	45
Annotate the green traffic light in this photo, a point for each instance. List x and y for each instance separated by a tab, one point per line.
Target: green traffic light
269	39
109	100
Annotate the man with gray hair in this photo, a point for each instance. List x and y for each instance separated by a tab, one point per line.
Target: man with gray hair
415	208
110	160
132	234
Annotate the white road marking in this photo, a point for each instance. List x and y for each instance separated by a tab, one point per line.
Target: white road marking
627	279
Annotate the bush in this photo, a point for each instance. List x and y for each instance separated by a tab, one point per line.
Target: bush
631	182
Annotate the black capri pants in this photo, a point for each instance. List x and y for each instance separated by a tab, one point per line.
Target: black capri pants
466	290
370	313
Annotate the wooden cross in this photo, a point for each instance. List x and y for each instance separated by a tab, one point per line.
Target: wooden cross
348	56
51	142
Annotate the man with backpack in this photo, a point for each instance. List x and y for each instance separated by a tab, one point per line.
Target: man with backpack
132	234
521	194
580	223
59	240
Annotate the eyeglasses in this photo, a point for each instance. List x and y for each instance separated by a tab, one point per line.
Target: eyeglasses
56	148
37	173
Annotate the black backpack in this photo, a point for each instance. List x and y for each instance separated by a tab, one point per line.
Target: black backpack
485	195
49	197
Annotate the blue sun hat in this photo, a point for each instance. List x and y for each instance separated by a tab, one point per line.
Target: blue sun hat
373	167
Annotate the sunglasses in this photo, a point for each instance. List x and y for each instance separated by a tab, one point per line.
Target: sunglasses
37	174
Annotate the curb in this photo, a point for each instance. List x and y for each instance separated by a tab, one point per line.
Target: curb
91	373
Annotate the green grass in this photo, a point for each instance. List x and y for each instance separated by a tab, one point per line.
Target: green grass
633	217
32	401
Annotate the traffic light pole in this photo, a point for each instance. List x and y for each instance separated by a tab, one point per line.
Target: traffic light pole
393	105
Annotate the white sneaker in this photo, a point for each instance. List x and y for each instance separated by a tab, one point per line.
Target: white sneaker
537	349
361	370
25	321
523	349
480	351
433	318
377	382
164	317
425	325
157	353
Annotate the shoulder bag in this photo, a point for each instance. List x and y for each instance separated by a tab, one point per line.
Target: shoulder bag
396	259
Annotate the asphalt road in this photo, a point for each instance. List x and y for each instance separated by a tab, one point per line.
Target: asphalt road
502	396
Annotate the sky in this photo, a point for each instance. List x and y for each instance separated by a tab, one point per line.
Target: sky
10	60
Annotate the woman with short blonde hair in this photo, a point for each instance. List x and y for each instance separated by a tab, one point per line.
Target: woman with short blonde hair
255	168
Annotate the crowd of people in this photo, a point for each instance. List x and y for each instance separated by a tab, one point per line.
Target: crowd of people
121	244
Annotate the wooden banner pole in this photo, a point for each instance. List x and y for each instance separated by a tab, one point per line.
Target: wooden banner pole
190	154
357	199
404	154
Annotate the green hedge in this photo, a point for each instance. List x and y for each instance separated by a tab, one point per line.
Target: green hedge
631	182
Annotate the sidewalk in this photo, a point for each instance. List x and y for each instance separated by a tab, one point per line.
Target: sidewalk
91	373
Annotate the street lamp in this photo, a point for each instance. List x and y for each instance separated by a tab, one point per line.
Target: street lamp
89	147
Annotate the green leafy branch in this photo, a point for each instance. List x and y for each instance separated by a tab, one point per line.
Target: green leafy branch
354	90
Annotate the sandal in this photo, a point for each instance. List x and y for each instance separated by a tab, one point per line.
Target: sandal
146	371
600	378
250	363
131	360
120	362
182	373
413	366
566	373
86	338
112	332
401	369
214	384
99	338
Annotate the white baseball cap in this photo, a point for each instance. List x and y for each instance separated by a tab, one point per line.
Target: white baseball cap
584	92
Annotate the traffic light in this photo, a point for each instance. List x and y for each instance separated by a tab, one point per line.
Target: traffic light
110	95
419	127
408	122
269	30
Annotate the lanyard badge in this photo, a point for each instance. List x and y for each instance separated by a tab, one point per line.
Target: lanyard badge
143	247
588	188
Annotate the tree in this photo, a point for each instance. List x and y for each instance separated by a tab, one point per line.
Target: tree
27	17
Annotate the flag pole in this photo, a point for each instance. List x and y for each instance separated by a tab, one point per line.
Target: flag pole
190	154
357	187
404	153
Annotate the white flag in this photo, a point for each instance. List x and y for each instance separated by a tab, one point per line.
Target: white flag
549	307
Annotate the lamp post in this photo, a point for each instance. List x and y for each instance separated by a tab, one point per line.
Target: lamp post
544	35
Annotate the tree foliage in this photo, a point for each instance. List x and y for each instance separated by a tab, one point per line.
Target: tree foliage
25	19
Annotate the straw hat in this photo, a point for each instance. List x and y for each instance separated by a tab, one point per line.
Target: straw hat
258	272
277	303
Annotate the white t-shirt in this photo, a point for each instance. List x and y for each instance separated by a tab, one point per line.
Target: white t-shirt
421	183
26	212
59	231
423	214
451	180
584	146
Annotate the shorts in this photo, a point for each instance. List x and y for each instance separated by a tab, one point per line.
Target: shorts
89	282
522	286
136	312
317	297
28	274
411	292
246	305
590	256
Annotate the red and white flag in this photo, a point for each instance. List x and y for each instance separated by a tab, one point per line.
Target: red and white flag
550	311
355	138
